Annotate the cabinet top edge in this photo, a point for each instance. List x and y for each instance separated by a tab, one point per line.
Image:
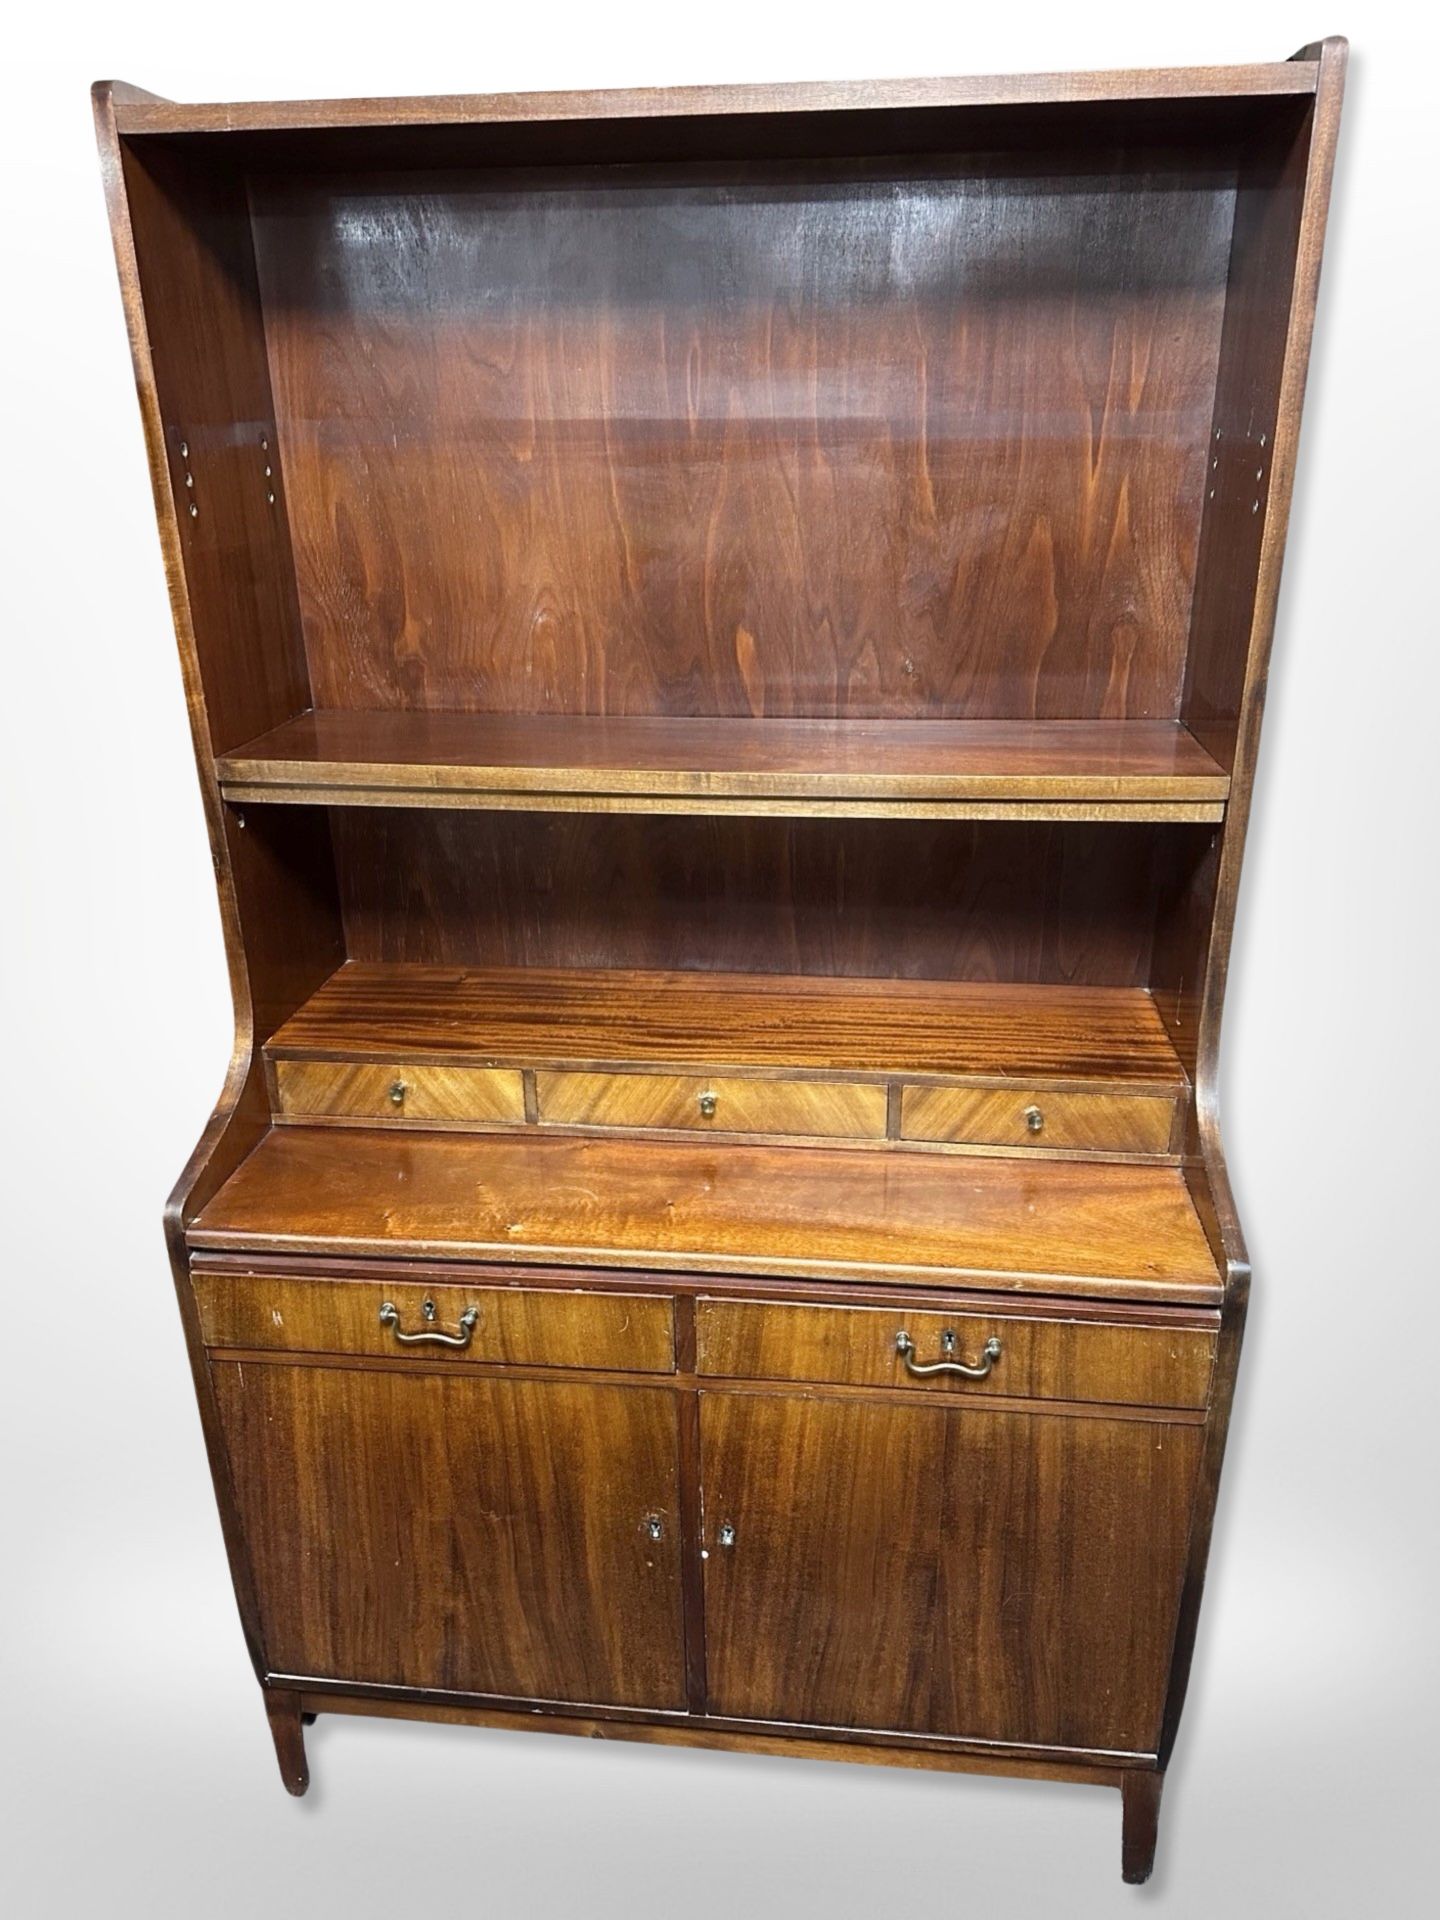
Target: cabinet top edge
137	113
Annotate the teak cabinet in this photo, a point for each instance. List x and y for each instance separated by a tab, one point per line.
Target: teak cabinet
725	633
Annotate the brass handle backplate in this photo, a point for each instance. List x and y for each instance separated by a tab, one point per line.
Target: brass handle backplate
434	1337
1034	1119
398	1091
905	1347
708	1103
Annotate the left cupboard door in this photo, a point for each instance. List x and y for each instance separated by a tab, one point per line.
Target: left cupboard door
515	1538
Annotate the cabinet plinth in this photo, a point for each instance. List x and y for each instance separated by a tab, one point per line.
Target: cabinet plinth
727	748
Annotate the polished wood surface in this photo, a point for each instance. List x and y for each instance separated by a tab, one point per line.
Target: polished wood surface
867	1584
419	757
712	1103
1030	1225
595	1016
1056	904
1162	1366
145	114
510	1518
692	502
624	1333
392	1092
1037	1117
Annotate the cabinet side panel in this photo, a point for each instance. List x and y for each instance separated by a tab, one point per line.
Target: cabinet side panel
195	256
1247	492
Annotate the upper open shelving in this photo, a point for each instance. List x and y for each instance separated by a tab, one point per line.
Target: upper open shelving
975	769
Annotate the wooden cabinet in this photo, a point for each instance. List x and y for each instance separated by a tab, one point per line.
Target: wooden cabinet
727	742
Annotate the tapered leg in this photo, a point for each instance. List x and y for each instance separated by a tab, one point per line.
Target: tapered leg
282	1709
1140	1805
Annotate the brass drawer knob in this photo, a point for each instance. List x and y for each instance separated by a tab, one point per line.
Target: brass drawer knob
1034	1119
398	1091
708	1103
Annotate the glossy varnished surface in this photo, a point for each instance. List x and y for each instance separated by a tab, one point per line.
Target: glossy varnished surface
749	441
713	1103
594	1202
1126	1363
1034	1116
872	1582
385	1091
530	1326
509	1519
334	756
143	113
883	899
530	1015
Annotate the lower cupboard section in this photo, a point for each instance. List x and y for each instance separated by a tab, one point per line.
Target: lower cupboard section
467	1534
1001	1576
894	1565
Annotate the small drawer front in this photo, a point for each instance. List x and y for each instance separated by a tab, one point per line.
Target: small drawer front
998	1117
829	1109
1121	1365
342	1089
532	1327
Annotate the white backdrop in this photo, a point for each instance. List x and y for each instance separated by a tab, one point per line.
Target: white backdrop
140	1774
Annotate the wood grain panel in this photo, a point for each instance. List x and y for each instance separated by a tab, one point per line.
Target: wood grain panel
534	1327
821	1108
1130	1364
196	269
447	1531
597	1016
1066	904
869	1585
1066	1614
148	114
1108	1122
426	1093
822	1610
432	754
592	440
1040	1226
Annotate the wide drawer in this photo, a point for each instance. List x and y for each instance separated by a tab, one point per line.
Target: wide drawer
525	1326
1002	1117
342	1089
728	1104
1050	1359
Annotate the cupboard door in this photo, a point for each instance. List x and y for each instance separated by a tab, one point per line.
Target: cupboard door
475	1535
820	1611
1010	1577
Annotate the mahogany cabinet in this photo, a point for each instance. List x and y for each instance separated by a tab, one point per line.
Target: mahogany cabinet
725	633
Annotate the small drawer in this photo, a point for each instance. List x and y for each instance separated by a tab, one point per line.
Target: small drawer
1046	1359
524	1326
342	1089
998	1117
829	1109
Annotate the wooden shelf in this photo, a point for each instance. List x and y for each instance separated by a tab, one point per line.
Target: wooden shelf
1026	1226
967	769
924	1029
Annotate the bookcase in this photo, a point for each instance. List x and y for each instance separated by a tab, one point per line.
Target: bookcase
725	632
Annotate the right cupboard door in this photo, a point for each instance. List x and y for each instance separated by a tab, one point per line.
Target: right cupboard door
948	1570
